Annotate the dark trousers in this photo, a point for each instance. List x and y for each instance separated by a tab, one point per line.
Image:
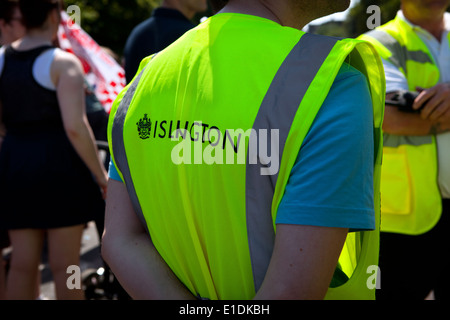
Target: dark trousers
412	266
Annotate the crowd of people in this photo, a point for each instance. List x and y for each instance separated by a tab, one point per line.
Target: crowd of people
363	177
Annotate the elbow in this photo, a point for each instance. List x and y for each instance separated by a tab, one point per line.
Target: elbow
73	131
76	127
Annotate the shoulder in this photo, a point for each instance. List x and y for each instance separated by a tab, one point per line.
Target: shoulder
140	38
349	73
388	36
65	57
67	63
347	105
143	26
349	88
330	183
143	29
66	66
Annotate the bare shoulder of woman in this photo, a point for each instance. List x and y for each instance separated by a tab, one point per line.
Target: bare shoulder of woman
66	64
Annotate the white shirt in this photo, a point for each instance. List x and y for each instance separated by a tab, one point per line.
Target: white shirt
395	80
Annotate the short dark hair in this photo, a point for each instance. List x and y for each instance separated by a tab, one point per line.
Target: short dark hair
35	12
7	9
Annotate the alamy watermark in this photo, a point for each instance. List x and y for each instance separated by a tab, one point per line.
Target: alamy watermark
228	147
74	13
374	19
74	280
374	278
206	143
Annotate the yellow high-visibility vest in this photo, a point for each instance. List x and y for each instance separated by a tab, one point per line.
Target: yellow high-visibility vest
183	135
410	196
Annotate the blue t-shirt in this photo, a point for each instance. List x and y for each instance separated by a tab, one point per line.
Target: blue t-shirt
331	183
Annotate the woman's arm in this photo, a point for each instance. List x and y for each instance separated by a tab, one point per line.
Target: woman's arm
129	252
67	74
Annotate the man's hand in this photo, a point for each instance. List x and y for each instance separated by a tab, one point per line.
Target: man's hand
436	101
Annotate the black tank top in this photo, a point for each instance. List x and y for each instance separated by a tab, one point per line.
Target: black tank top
27	107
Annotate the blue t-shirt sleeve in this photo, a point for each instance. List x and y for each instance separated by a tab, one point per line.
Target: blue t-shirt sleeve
113	173
331	183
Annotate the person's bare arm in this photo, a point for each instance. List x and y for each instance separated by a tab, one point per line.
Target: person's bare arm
131	255
433	119
67	74
404	123
303	262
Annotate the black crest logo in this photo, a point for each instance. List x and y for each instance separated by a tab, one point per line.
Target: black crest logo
144	126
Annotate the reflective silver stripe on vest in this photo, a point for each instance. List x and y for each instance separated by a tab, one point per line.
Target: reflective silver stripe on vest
119	153
394	141
400	54
277	111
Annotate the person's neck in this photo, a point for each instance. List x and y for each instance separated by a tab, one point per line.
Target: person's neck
289	14
33	39
434	24
278	13
5	40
